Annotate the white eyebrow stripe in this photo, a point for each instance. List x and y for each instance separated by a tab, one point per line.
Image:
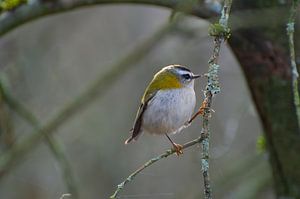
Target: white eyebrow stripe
182	72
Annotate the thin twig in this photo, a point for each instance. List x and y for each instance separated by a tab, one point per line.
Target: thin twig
96	89
152	161
220	33
54	146
290	29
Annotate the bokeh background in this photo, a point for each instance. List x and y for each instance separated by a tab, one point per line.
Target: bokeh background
48	62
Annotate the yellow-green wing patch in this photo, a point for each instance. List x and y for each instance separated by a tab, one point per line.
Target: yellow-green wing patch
163	80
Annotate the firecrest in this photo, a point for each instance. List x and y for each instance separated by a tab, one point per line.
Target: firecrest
167	104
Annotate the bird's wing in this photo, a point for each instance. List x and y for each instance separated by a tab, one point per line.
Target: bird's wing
136	130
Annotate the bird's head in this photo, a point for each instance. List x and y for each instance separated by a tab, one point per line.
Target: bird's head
170	77
174	76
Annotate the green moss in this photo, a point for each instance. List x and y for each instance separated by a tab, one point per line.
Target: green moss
7	5
217	30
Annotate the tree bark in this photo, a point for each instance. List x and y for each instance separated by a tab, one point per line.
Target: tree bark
266	66
263	56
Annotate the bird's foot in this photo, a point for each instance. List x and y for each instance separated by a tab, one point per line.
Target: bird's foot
178	149
201	110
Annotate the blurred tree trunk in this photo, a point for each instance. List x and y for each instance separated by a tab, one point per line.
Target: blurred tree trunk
263	56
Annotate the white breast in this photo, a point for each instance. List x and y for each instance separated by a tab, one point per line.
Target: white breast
169	110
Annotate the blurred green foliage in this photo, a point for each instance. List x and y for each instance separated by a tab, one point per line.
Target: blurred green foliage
261	144
6	5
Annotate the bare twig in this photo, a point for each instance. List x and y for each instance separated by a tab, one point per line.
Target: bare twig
54	146
220	32
96	89
152	161
290	29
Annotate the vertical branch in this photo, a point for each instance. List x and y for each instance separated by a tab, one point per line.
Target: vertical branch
290	29
54	146
220	32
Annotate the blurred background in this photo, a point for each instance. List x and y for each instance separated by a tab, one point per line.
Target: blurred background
49	62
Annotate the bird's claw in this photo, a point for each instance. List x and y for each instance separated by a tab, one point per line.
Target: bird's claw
201	111
178	149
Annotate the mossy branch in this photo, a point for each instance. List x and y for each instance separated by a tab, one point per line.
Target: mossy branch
54	146
102	84
290	29
220	32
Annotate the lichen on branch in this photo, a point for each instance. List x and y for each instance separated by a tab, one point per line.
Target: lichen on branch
221	33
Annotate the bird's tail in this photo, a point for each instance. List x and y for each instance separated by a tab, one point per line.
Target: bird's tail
129	140
134	136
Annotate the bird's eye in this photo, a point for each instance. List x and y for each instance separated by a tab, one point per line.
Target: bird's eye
187	76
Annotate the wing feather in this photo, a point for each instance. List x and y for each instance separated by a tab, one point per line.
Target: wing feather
136	130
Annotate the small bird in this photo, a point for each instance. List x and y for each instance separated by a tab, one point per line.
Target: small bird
167	104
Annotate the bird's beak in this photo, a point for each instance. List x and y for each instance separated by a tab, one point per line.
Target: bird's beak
196	76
